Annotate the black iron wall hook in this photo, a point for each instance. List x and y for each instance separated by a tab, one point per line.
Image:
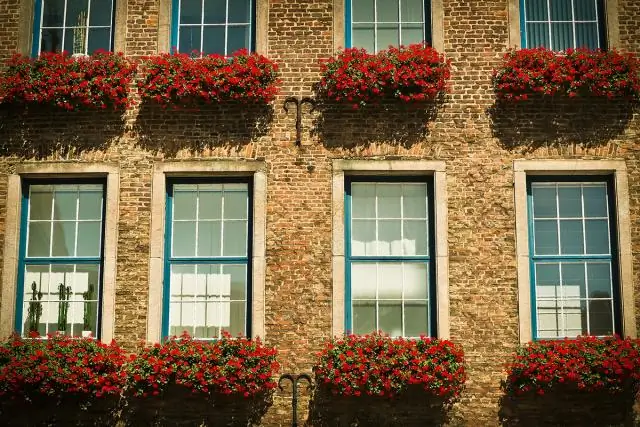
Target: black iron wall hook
295	380
299	102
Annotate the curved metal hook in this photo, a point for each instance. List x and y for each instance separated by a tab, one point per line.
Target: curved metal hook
299	102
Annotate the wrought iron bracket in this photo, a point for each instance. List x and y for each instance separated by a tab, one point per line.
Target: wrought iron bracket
295	380
299	102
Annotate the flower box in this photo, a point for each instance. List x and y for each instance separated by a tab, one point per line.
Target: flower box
415	73
574	73
182	80
98	81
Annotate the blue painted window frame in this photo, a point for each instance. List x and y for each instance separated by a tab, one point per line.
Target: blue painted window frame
612	257
348	18
175	17
24	261
169	259
429	260
37	24
601	25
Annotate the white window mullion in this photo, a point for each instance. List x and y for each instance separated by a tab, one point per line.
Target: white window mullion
549	18
375	26
587	299
76	223
595	5
86	38
573	24
202	28
64	25
226	29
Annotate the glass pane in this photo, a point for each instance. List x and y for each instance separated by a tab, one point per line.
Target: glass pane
599	280
390	281
600	317
390	317
411	33
183	280
101	13
210	205
571	237
548	323
585	10
561	10
415	281
89	239
415	201
362	10
561	36
64	205
213	40
40	205
363	201
587	35
209	238
235	238
573	283
184	205
574	318
64	239
388	36
191	11
237	318
235	205
389	200
51	41
364	317
363	240
570	202
189	39
53	13
538	35
363	280
99	39
39	239
390	237
546	237
595	201
68	44
36	285
415	319
411	10
544	201
240	11
547	275
415	238
238	275
184	238
90	205
387	10
597	231
536	10
62	280
363	37
77	13
238	38
215	11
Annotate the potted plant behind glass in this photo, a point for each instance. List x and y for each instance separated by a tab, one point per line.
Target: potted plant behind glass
64	294
34	312
87	316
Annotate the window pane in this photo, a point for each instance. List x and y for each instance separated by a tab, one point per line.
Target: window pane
238	275
190	11
215	11
561	10
587	35
571	237
209	237
182	280
99	39
585	10
363	239
416	316
235	205
213	40
90	205
235	238
238	39
89	239
538	35
64	239
412	10
595	201
36	285
574	318
77	13
389	198
599	280
101	13
209	204
65	205
536	10
544	201
570	200
363	201
547	274
53	13
415	238
363	280
362	10
600	317
184	238
239	11
388	36
389	237
546	237
237	319
189	39
40	199
415	201
390	317
411	33
390	281
363	37
415	281
39	239
573	281
51	41
597	231
387	10
364	317
561	36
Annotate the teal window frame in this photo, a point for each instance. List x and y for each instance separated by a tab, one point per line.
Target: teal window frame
175	28
24	261
348	29
169	259
38	21
611	257
600	24
428	260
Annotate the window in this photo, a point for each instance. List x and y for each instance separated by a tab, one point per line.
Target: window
59	277
377	24
213	26
562	24
207	266
389	256
573	262
74	26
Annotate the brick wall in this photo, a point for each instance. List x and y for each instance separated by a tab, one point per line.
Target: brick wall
477	140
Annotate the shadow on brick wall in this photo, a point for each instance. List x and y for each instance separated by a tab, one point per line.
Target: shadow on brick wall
169	130
39	132
404	124
542	121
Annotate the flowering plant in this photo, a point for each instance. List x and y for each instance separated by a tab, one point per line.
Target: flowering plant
59	365
185	80
227	366
413	73
97	81
378	365
577	72
588	363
